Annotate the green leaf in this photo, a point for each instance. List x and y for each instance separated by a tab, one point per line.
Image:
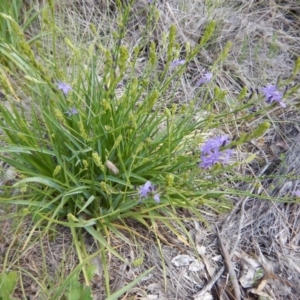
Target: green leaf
91	271
8	282
76	291
88	202
86	293
79	293
126	288
41	180
73	293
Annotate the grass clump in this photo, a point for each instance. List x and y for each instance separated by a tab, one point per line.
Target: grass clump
98	145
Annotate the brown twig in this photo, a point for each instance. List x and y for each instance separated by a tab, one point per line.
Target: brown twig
230	269
238	237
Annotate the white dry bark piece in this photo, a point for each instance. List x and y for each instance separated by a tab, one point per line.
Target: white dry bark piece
262	295
217	258
150	297
196	266
182	260
206	296
251	261
252	270
249	276
153	286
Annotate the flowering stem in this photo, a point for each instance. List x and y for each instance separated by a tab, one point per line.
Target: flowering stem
169	141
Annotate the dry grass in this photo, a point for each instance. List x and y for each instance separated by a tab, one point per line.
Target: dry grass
266	41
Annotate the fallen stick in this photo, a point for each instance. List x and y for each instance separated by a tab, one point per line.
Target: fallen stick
230	269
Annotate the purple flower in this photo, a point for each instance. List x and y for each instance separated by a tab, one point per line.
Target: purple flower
207	77
215	143
177	62
64	87
212	153
296	193
156	198
272	94
120	84
146	189
72	111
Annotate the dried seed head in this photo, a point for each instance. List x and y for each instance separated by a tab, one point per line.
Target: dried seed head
112	167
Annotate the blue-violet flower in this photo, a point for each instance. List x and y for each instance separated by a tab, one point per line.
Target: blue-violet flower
272	94
64	87
207	77
156	198
212	153
177	62
296	193
72	111
146	189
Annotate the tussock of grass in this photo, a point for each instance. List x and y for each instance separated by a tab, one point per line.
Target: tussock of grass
131	116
